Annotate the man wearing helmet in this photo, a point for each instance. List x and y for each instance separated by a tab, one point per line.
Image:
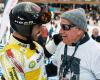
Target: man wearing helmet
23	58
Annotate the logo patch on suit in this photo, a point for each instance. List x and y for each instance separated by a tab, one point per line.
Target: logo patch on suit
32	64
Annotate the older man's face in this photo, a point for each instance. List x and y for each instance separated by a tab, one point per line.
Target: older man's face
70	33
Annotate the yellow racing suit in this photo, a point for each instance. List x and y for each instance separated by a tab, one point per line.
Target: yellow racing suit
30	62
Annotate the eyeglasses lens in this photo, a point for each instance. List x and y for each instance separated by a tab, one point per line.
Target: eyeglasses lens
66	26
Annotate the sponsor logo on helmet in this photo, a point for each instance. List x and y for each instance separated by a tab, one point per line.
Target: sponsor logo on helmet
24	23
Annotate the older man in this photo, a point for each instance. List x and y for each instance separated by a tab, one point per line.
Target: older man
78	56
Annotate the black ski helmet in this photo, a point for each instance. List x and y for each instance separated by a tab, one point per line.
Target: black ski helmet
27	14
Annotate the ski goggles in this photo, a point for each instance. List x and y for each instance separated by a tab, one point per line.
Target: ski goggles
67	26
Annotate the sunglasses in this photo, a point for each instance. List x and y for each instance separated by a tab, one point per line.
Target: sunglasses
67	26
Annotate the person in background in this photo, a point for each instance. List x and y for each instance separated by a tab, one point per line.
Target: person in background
95	34
23	58
77	56
43	36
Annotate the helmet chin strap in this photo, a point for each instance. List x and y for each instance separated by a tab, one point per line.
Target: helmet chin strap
32	45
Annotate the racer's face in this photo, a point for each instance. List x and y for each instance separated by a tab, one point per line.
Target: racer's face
36	32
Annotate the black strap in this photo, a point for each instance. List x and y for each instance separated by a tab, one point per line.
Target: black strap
32	45
69	62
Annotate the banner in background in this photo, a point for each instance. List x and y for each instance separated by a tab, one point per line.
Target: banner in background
5	23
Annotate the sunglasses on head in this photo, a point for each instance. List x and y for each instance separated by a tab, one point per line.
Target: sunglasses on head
67	26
